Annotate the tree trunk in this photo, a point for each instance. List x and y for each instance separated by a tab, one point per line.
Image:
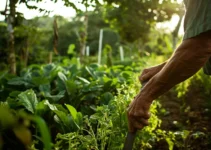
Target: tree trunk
83	37
11	41
56	36
26	53
50	57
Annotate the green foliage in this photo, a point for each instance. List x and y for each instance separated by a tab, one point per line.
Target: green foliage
70	50
198	79
159	43
86	107
95	101
107	51
13	120
107	127
28	99
6	122
3	44
119	12
45	135
52	86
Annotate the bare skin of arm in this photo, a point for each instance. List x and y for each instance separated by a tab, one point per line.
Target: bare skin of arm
148	73
188	58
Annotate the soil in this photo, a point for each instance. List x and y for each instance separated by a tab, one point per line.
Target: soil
192	112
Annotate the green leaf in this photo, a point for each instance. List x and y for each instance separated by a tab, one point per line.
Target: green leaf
8	121
91	72
14	94
92	88
72	110
57	97
45	134
47	69
45	88
170	143
28	99
73	69
12	102
3	75
106	97
40	80
41	108
19	81
127	74
62	116
61	108
62	77
79	119
83	80
185	134
71	49
60	85
51	106
63	120
71	87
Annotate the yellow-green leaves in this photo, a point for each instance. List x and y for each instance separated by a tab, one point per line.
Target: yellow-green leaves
72	110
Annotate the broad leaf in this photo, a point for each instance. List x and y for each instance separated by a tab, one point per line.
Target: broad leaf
47	69
51	106
40	80
62	77
28	99
41	108
57	97
106	97
63	120
45	88
71	87
19	81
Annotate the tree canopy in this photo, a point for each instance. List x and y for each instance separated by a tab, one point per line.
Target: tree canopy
133	19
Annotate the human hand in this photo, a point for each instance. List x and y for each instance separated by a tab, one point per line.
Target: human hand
148	73
138	113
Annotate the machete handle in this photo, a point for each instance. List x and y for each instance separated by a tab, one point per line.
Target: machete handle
128	145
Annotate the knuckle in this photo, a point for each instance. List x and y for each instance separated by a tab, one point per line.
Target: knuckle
139	126
145	70
145	122
130	114
138	114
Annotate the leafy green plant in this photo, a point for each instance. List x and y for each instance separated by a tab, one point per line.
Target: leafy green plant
85	107
107	127
17	121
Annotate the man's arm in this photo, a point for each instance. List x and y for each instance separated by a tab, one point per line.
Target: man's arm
189	57
148	73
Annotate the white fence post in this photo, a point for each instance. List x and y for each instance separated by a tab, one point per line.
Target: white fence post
100	46
121	53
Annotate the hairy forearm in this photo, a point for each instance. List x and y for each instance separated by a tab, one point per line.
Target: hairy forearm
185	62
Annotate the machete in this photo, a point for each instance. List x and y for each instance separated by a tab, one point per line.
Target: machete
128	145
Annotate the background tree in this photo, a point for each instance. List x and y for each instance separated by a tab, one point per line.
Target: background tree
134	19
117	23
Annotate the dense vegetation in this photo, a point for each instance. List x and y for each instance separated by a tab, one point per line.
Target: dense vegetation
54	94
